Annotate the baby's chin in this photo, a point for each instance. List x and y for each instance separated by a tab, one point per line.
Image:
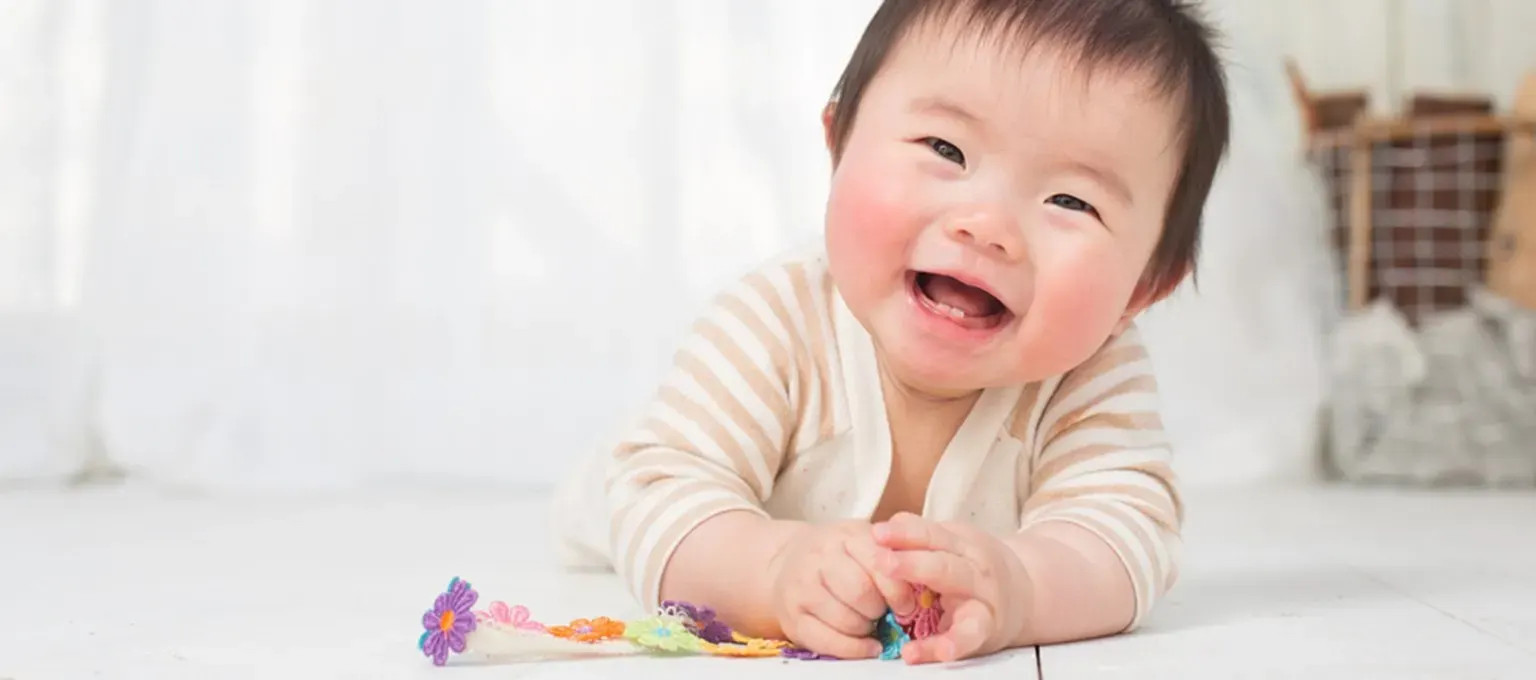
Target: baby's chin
953	376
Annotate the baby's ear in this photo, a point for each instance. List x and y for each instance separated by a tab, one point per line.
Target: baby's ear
1148	293
828	112
1125	322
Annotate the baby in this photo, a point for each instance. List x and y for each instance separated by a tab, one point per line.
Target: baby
948	391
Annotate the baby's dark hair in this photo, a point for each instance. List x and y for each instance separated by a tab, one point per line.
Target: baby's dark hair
1163	39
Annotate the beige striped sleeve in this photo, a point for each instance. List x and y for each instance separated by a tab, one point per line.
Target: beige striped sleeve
715	433
1103	462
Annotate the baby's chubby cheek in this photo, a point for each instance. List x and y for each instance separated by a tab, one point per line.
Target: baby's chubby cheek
869	229
1074	310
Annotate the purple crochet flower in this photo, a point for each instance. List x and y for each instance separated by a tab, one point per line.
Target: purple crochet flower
701	621
793	652
448	622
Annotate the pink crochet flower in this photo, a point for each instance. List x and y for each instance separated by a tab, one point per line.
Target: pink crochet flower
924	621
515	616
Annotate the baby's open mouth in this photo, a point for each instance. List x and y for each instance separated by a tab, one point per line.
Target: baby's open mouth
966	305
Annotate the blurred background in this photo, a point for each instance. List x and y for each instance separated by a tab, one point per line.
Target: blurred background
288	245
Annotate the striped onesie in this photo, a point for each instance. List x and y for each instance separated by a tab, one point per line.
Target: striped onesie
773	406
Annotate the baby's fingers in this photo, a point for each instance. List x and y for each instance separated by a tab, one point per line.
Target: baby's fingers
853	585
811	633
838	615
909	532
944	573
969	631
899	595
894	593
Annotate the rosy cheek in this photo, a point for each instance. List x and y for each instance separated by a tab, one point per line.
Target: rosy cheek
1078	300
865	209
869	229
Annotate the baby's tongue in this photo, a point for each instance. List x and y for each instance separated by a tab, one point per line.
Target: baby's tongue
972	301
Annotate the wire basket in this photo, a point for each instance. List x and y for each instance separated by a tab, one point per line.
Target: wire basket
1433	375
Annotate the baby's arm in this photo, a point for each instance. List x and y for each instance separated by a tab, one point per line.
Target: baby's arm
1102	519
685	488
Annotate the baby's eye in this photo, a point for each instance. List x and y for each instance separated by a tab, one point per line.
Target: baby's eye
1069	202
949	151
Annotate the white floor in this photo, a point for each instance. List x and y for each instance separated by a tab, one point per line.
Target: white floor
1279	584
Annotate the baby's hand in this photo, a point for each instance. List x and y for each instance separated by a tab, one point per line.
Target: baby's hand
827	593
984	587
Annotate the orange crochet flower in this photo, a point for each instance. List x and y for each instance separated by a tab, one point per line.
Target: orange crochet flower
740	639
596	630
748	647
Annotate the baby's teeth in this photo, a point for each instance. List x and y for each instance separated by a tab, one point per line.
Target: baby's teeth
953	312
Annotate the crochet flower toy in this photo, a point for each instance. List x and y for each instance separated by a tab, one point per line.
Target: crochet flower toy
454	626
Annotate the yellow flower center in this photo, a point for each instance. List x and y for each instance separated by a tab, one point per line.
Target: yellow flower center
925	600
446	622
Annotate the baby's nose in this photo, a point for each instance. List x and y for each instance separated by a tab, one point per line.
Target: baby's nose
995	236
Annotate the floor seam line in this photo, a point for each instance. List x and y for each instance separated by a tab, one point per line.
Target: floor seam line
1443	612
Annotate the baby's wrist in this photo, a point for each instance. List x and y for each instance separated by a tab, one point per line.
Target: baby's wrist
1022	584
1025	604
775	538
782	538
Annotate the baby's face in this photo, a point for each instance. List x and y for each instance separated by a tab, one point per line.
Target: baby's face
990	218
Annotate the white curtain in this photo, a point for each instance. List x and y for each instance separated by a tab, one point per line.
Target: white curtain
286	244
1394	47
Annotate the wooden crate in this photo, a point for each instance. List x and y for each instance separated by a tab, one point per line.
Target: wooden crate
1512	244
1414	197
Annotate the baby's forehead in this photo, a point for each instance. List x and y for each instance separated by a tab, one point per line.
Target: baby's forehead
991	76
964	50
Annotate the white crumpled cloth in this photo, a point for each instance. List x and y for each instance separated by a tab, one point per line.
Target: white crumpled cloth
1452	402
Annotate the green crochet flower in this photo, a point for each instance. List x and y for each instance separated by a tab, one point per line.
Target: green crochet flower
663	633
